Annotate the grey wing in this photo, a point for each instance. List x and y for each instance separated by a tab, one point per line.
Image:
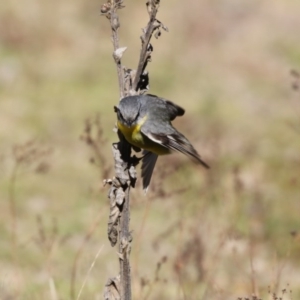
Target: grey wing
175	141
173	109
148	164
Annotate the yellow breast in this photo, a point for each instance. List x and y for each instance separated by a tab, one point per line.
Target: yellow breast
134	136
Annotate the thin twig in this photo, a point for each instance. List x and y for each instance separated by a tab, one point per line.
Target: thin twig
88	272
80	251
144	57
53	291
115	24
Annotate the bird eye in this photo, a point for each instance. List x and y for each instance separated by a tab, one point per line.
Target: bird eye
118	112
120	115
136	117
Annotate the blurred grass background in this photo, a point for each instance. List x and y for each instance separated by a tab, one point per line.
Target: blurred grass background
219	234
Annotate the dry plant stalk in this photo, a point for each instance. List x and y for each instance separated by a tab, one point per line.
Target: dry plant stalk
29	155
131	82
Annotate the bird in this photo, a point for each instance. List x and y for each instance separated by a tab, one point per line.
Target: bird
145	123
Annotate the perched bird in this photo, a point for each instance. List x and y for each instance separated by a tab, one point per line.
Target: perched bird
145	122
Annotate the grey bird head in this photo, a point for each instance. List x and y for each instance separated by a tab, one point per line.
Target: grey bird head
128	110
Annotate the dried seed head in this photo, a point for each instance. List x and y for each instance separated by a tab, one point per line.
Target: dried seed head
118	53
105	8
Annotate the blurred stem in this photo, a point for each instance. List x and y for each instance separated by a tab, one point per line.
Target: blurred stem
139	237
79	252
12	207
252	275
115	24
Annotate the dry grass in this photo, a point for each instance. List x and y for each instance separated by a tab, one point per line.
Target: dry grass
229	233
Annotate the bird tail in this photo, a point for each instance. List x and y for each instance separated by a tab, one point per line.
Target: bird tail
148	164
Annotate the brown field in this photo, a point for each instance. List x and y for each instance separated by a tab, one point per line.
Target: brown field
223	234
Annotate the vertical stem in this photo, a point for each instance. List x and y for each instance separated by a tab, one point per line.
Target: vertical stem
123	161
124	235
125	271
114	22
